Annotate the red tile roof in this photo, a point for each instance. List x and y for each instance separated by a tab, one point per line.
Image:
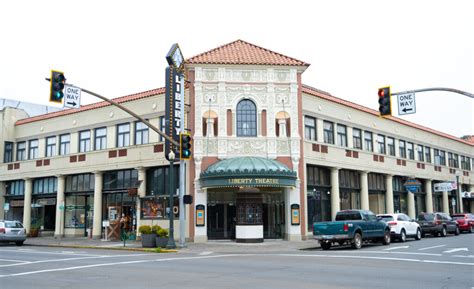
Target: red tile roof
316	92
121	99
241	52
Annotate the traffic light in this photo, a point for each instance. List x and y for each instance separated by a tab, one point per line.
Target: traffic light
57	86
184	146
385	107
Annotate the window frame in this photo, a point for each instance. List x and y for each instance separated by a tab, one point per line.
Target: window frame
64	144
84	143
391	147
328	132
8	152
122	136
33	151
357	140
411	150
310	129
141	134
402	150
101	138
369	145
21	151
50	148
381	144
246	114
342	136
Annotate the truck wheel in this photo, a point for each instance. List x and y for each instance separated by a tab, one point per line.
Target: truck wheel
386	238
403	236
418	234
326	245
357	241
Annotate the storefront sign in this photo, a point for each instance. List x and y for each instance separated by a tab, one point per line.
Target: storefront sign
445	187
46	202
254	181
17	203
467	195
412	185
295	214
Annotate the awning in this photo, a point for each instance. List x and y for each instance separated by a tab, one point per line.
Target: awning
248	172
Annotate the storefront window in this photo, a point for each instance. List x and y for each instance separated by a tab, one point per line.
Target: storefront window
158	180
75	211
80	183
319	205
157	208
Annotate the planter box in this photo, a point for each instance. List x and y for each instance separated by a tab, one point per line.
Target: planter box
161	242
148	240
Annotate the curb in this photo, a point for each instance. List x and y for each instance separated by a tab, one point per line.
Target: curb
149	250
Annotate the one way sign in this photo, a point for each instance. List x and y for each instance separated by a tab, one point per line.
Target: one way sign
72	96
406	103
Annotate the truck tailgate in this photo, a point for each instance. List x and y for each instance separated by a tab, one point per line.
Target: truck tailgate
329	228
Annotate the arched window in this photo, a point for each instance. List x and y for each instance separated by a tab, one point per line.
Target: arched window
246	118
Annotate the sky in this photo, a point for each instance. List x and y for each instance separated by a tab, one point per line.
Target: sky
116	48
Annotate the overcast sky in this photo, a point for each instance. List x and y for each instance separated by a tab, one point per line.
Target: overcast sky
117	48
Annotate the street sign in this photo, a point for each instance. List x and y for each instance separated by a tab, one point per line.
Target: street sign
406	103
173	114
72	96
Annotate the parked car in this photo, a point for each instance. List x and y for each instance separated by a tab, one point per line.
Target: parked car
402	226
12	231
437	224
353	227
465	222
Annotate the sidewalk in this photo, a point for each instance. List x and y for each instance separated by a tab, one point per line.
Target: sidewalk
268	246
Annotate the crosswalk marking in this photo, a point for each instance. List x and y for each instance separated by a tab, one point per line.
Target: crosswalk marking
456	250
395	248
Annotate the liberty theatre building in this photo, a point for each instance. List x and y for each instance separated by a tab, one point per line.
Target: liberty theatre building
271	156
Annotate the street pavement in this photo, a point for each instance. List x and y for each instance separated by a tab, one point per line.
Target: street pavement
429	263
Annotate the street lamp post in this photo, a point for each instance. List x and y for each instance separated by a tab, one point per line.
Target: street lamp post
458	193
171	244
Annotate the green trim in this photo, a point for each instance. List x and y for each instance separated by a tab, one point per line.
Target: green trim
248	172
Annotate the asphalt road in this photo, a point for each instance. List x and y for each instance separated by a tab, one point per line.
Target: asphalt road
429	263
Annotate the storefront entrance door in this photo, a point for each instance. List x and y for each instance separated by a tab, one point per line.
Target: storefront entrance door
221	221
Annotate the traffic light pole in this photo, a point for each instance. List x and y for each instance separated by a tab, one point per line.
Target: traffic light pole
436	89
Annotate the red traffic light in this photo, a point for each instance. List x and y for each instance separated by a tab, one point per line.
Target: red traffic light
384	91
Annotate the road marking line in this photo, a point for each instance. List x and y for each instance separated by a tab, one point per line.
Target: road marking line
401	253
395	248
427	248
50	253
456	250
73	259
9	260
205	253
461	256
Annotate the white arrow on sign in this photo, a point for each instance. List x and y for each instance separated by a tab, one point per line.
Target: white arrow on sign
72	96
406	103
456	250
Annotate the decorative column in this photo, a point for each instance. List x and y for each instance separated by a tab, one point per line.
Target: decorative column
59	227
141	194
27	205
282	127
411	204
335	201
445	202
97	224
364	191
389	193
429	196
210	127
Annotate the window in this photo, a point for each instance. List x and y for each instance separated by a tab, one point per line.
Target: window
309	128
368	141
80	183
428	154
123	135
402	148
246	118
84	141
442	158
391	146
21	151
411	151
51	146
64	143
15	188
141	133
453	160
45	186
357	138
421	153
328	132
162	127
158	180
33	149
465	163
8	152
342	135
381	143
100	138
115	180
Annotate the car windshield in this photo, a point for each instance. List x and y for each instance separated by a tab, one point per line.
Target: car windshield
347	216
386	218
10	224
426	217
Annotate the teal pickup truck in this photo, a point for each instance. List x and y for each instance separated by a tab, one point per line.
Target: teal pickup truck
353	227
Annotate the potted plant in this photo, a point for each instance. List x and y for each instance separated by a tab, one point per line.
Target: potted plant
36	225
161	237
148	236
